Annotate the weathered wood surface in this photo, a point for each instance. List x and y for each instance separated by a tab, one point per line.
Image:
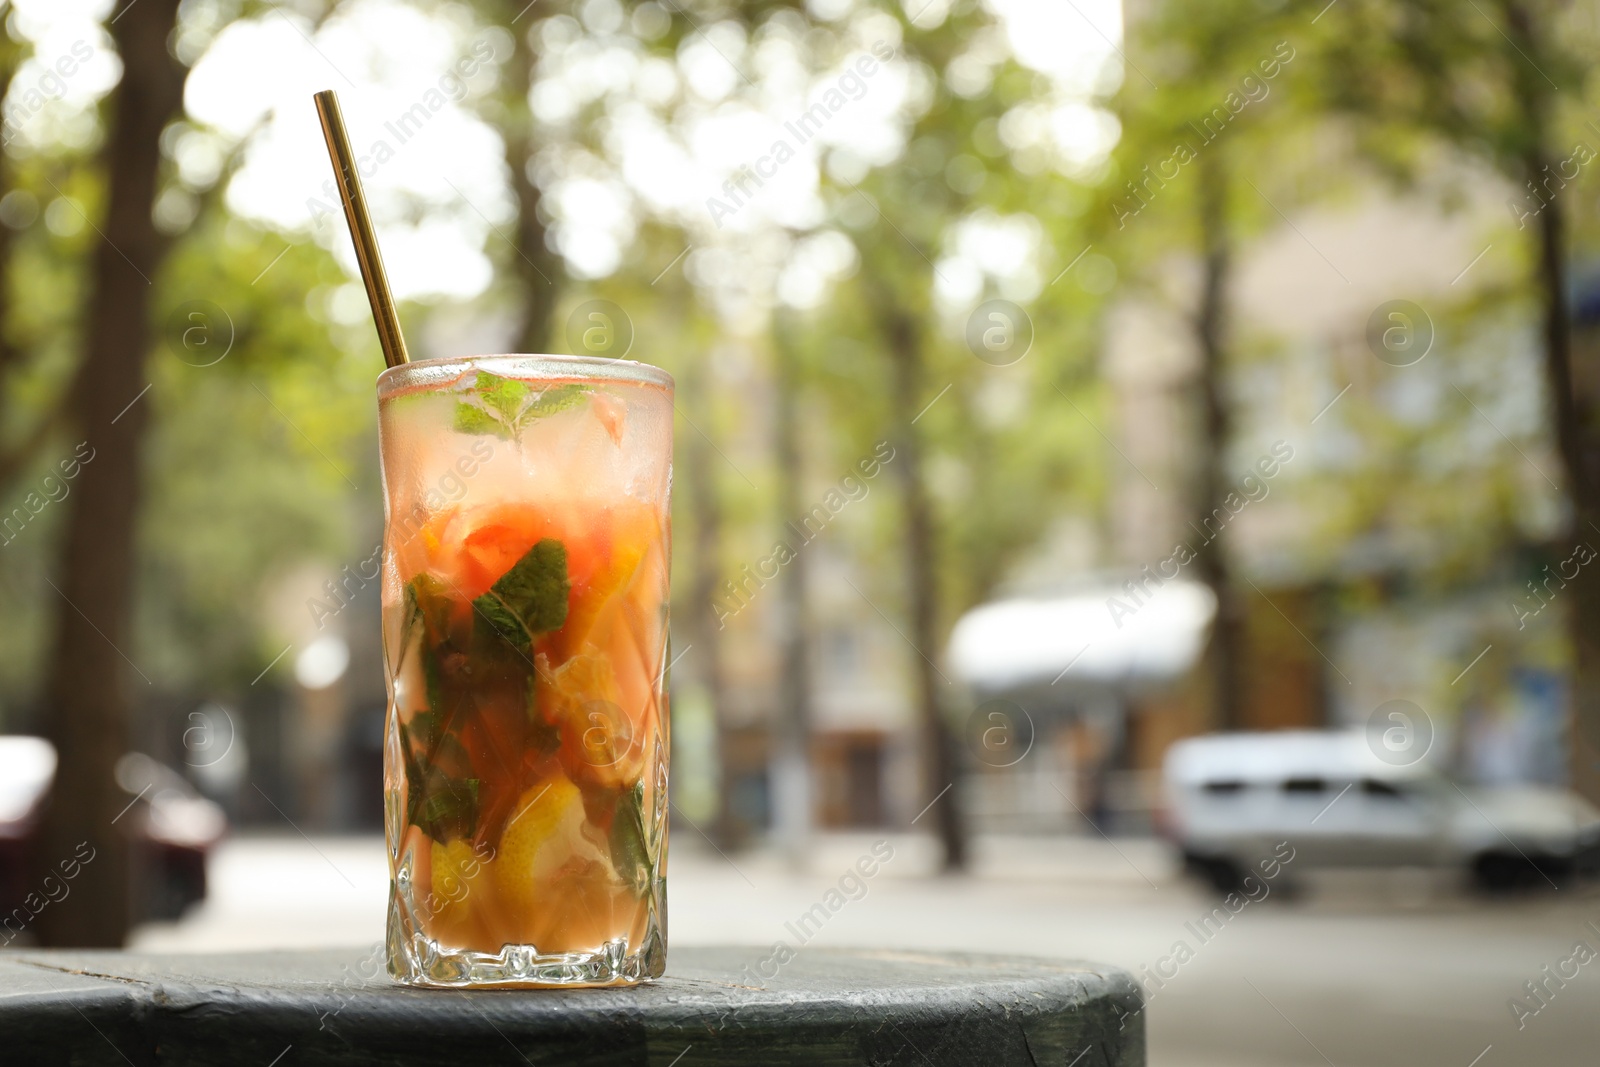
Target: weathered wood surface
825	1007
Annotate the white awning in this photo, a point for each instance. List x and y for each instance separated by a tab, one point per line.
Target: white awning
1092	636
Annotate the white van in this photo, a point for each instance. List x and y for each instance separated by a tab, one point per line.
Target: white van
1229	799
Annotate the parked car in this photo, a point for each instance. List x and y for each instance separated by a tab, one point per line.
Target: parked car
172	827
1230	799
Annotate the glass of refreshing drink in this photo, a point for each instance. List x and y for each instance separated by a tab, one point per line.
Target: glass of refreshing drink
525	635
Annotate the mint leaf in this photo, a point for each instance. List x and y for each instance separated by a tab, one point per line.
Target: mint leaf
531	597
630	856
506	406
505	395
504	620
428	604
475	420
448	808
559	398
442	795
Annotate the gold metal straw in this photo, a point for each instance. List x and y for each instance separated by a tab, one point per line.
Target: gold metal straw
366	242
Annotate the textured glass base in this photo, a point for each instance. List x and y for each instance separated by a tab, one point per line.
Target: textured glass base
416	959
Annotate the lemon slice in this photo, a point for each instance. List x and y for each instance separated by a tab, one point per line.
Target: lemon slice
544	834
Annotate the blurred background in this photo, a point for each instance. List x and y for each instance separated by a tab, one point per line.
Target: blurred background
1058	380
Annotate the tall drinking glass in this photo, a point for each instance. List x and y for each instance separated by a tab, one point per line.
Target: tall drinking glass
525	571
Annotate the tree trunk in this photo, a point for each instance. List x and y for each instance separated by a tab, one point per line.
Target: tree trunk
791	765
87	700
1225	652
1577	442
705	625
1571	408
20	456
10	355
536	266
942	768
